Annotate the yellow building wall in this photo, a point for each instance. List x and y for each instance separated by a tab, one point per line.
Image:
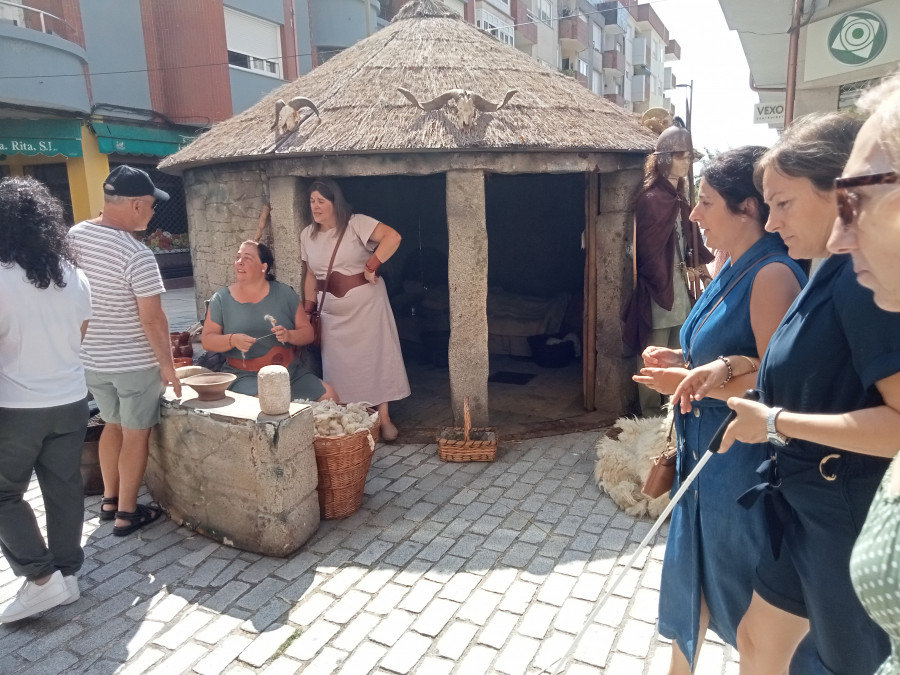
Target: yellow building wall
86	176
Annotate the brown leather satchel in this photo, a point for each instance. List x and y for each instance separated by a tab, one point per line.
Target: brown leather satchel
661	477
315	315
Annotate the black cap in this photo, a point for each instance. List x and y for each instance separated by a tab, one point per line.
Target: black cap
126	181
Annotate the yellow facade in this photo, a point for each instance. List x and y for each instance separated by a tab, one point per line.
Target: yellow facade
86	176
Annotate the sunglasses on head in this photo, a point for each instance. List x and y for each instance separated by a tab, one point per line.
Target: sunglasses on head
849	201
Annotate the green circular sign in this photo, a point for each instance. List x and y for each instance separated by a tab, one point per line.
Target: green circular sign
857	38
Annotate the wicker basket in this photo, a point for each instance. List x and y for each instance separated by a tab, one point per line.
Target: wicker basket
343	464
467	444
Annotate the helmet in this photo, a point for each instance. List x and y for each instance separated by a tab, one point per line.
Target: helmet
674	139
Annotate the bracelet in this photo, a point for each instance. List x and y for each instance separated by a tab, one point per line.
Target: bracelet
753	365
373	263
230	336
724	359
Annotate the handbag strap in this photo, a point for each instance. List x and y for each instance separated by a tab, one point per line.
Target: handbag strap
727	291
328	274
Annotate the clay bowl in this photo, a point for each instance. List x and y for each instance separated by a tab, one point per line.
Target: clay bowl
210	386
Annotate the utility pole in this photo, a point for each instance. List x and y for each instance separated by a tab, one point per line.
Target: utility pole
368	8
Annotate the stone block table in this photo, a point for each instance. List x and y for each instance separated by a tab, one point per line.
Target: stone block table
227	471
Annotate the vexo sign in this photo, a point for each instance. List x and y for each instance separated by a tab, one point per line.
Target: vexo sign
769	113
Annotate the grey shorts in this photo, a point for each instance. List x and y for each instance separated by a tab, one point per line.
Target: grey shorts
128	399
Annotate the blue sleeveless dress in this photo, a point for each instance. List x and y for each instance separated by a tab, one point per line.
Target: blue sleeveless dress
713	543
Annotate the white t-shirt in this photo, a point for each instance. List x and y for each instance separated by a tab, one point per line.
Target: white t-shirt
40	336
120	269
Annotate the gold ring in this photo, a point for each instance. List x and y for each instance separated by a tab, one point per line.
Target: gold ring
828	476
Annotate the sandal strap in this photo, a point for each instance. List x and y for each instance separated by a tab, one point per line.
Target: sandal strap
148	511
109	500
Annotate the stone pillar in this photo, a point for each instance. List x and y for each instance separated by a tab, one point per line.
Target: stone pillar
468	267
614	388
289	201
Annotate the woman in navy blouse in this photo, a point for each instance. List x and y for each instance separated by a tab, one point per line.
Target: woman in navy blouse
830	386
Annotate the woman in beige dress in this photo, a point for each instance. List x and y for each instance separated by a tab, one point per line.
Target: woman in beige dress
361	354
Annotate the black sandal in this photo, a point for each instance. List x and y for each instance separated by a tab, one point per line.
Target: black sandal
108	515
144	514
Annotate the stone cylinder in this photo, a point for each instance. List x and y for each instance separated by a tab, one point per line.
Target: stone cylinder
274	383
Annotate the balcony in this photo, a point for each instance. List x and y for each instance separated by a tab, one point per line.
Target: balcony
618	99
640	53
573	32
640	88
614	62
35	41
526	26
673	51
647	19
669	81
615	16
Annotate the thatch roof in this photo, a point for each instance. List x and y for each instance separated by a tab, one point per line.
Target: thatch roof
428	50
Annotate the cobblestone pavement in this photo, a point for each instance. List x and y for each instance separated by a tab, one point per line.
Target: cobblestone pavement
447	568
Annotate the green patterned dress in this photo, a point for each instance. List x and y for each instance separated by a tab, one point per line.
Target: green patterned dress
875	567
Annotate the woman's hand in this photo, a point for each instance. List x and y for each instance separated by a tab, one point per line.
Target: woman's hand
370	276
662	357
242	342
750	424
282	334
663	380
698	383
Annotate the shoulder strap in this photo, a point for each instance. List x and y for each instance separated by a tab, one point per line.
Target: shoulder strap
634	252
328	273
727	291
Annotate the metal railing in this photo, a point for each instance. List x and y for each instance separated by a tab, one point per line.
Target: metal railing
67	33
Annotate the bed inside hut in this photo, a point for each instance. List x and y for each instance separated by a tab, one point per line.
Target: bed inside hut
535	224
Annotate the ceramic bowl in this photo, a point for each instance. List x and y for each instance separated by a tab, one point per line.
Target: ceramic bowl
210	386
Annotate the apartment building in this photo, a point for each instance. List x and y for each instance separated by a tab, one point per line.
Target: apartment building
843	48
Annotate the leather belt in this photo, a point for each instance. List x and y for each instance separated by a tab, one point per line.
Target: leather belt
340	284
277	356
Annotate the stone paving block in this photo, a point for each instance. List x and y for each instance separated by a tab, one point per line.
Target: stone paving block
143	663
58	662
169	605
628	584
343	580
328	661
478	608
413	571
459	587
556	589
589	586
262	618
517	655
373	552
38	649
435	616
519	555
387	599
116	585
635	638
409	497
518	597
427	531
499	580
311	640
356	631
419	511
347	607
498	629
652	575
573	615
226	595
207	571
234	568
538	570
224	653
455	640
189	624
535	533
392	627
536	620
403	553
437	548
363	660
478	660
420	595
219	628
594	523
595	646
376	579
645	606
404	655
284	666
613	611
626	665
445	568
711	661
103	635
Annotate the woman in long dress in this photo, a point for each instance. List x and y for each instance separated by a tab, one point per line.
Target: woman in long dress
708	567
361	354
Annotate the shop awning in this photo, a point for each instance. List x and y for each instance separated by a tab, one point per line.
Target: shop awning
40	137
126	139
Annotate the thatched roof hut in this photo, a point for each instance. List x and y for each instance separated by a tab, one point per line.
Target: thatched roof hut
547	179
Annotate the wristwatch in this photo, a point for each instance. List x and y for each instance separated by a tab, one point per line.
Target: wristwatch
774	437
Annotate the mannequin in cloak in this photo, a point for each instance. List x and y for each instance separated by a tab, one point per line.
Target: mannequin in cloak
664	237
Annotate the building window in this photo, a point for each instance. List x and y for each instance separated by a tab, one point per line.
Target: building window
493	24
546	12
253	44
583	67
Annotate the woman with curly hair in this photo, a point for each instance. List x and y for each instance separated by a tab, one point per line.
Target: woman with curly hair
46	305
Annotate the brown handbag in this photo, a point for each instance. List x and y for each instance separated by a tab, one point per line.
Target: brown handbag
661	476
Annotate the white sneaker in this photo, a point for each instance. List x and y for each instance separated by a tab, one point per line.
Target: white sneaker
71	582
33	599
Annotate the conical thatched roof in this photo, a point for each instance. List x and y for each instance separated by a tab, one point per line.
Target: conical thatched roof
428	50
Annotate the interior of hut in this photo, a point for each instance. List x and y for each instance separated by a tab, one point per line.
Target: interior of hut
535	297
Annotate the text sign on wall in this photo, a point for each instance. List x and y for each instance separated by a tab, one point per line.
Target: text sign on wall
771	113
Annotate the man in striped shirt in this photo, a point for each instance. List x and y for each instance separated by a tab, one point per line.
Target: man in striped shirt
126	352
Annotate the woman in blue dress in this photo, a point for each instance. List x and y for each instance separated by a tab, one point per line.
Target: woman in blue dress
830	411
708	566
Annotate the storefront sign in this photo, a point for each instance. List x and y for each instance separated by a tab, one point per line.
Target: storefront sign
771	113
853	40
40	137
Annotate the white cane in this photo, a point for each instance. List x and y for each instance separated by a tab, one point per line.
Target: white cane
751	394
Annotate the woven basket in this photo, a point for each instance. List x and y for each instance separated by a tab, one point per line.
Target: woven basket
343	464
467	444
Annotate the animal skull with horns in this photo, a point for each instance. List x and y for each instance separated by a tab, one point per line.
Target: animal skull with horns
287	115
467	102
